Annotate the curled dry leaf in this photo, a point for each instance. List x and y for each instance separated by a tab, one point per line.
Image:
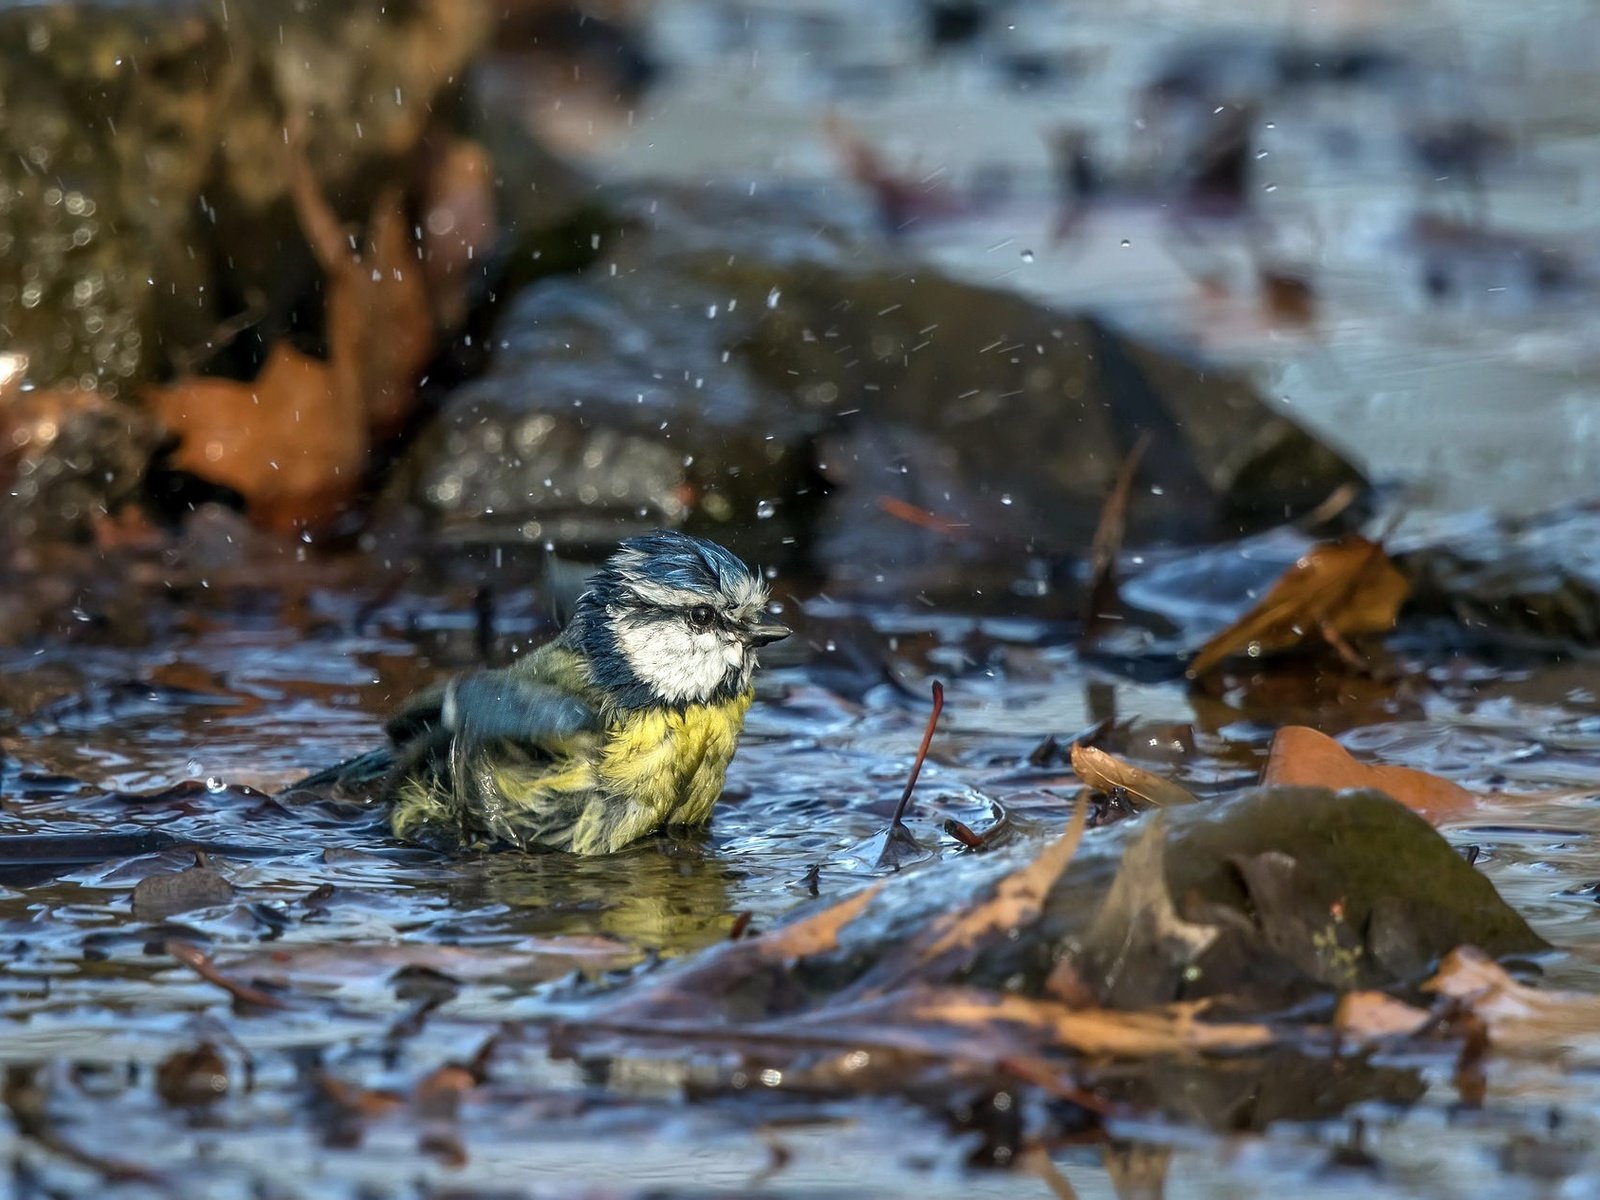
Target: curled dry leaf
1375	1016
1107	773
1336	589
1302	756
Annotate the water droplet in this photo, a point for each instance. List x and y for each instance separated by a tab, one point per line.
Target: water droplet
1126	243
766	510
772	298
1006	499
1027	256
214	784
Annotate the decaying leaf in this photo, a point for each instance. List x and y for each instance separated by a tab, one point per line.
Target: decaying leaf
1305	757
1107	773
294	442
1521	1019
1138	948
1337	589
290	441
1375	1016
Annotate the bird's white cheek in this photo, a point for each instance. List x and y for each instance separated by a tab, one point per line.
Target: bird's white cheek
678	664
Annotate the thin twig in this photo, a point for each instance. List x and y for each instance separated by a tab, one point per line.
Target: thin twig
1107	542
922	754
197	961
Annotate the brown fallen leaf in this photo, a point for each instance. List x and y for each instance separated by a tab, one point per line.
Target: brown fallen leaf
168	893
357	1101
1336	589
1302	756
290	442
1015	903
1521	1019
379	324
958	1024
192	1078
1375	1016
1107	773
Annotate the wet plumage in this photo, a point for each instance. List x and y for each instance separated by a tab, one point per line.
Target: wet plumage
622	726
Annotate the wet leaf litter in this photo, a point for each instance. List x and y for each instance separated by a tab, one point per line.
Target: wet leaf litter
1013	966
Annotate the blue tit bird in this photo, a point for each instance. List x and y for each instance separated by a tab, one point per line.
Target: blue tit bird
622	726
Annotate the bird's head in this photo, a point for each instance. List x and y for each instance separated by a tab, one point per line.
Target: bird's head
672	620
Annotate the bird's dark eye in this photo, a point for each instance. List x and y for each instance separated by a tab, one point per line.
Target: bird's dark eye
700	616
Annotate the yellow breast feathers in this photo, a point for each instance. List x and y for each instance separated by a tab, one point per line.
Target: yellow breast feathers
649	769
667	766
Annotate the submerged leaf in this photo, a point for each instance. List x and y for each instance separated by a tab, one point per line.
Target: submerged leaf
1521	1019
1302	756
1336	589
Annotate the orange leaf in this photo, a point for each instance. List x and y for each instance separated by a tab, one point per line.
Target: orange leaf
287	442
1305	758
1343	587
379	325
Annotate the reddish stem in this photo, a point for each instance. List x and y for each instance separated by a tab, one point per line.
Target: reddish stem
922	753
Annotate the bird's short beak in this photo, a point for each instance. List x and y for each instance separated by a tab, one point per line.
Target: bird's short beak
767	630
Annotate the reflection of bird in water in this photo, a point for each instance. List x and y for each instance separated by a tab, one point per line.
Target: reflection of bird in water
621	727
664	896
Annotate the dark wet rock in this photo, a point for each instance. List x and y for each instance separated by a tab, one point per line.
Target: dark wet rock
1275	895
148	207
168	893
67	459
769	382
1532	577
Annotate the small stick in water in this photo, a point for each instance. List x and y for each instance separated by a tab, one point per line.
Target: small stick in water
922	754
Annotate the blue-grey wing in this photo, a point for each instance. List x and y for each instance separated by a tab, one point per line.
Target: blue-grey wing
500	706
